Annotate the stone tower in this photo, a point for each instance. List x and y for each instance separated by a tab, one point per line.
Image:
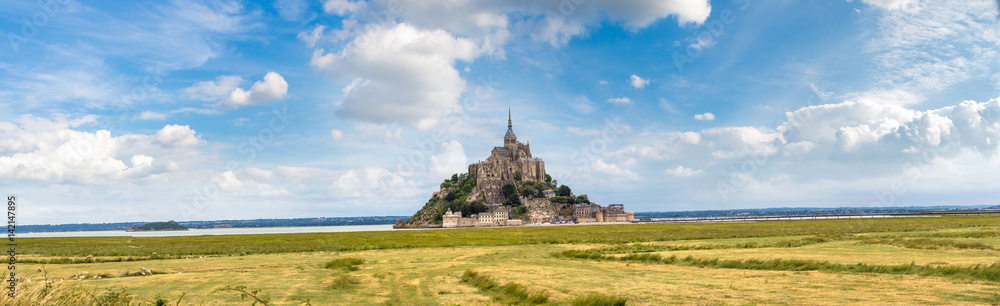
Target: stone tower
509	140
502	166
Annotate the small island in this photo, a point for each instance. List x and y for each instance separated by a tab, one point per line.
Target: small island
158	226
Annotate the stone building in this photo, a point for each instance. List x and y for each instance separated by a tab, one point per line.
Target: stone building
617	213
495	217
503	164
591	212
450	219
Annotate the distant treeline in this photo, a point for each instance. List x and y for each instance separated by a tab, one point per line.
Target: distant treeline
121	226
803	211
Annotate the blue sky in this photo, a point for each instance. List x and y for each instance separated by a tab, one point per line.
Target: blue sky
192	110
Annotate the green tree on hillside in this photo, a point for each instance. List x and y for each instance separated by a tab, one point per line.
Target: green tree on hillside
564	191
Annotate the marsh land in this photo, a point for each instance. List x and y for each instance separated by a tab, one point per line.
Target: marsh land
898	260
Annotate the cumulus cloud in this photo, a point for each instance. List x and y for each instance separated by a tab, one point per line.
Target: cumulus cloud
638	82
372	184
399	74
450	160
51	151
841	143
704	117
273	87
221	87
229	183
680	171
403	70
620	101
601	167
336	134
176	136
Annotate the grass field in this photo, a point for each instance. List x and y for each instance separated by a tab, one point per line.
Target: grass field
900	260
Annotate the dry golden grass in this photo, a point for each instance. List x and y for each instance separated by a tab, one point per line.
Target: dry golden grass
431	276
851	252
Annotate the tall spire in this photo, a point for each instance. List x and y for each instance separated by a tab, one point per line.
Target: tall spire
508	118
510	128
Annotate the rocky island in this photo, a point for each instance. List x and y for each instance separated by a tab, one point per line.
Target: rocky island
507	189
158	226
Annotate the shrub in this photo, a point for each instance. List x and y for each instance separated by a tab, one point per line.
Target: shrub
343	281
348	264
115	296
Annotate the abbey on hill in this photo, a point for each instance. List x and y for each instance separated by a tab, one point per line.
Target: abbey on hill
506	162
509	188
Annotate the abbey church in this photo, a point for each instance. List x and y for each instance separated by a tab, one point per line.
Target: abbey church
502	165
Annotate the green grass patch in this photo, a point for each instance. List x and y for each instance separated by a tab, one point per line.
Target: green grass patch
343	281
975	272
598	300
929	243
643	248
358	241
347	264
510	293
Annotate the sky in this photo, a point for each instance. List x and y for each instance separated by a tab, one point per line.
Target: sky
208	110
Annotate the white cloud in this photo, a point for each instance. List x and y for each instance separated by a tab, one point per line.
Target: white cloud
602	82
638	82
50	151
930	46
800	147
213	90
342	7
600	167
399	74
703	42
705	117
336	134
230	184
582	132
620	101
372	185
151	115
273	87
680	171
291	10
451	160
403	69
311	38
889	4
176	136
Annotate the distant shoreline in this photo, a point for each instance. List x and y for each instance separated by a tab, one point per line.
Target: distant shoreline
390	220
216	231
